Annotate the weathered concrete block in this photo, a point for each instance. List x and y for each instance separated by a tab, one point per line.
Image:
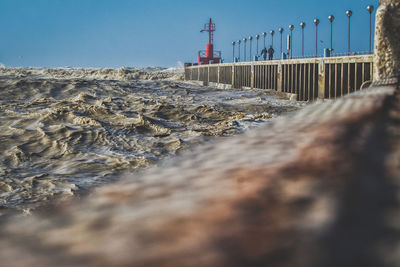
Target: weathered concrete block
387	40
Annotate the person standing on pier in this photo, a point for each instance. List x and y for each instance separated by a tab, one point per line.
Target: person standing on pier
271	52
264	53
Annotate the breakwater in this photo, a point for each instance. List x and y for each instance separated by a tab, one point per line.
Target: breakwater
308	78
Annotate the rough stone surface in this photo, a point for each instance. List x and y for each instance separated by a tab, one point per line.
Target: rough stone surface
387	40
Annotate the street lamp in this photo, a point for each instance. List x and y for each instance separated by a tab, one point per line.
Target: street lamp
349	13
239	49
281	31
257	37
251	41
233	53
302	25
370	9
316	22
331	18
272	34
291	27
245	41
264	34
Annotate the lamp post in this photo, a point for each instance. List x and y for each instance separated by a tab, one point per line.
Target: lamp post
349	13
272	35
316	22
331	18
257	37
291	28
264	34
244	41
251	44
233	51
370	9
281	31
239	49
302	25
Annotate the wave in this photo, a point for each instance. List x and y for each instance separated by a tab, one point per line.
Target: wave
65	131
121	74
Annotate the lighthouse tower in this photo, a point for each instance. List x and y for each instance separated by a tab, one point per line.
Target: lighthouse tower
209	56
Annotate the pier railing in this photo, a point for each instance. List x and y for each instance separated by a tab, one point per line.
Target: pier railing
308	78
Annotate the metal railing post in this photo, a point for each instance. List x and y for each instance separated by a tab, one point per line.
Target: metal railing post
321	79
252	75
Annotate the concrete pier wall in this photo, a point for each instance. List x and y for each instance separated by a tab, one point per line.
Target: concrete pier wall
309	79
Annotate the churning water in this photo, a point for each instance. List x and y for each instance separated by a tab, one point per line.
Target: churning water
64	131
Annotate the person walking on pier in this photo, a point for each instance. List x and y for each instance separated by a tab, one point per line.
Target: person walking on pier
264	53
271	52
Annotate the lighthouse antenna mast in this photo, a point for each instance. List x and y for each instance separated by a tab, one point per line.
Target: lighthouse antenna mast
210	28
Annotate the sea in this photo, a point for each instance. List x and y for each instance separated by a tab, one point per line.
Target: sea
65	131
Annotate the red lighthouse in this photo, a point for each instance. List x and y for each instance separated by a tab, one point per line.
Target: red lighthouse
209	56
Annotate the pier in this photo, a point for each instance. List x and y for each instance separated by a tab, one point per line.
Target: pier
307	78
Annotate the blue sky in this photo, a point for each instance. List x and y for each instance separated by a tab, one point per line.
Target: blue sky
115	33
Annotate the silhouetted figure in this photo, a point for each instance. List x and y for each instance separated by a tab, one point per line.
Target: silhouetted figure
264	53
271	52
